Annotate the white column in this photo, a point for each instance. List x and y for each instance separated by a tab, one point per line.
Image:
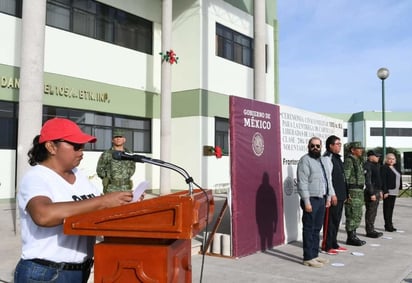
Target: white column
259	21
276	60
31	81
166	99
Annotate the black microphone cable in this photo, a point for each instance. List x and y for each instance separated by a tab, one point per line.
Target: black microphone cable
189	180
206	231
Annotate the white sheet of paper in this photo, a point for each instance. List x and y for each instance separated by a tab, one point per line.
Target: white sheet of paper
358	254
338	264
139	190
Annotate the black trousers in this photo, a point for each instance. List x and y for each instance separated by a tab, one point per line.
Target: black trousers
333	216
370	214
388	206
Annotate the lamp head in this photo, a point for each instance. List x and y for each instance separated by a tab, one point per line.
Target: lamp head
383	73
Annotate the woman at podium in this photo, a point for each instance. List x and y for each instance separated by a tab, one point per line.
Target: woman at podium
51	190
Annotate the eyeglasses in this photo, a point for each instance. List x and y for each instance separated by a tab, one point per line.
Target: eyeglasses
314	145
337	143
76	146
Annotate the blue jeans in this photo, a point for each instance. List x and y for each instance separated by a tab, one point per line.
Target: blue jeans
30	272
312	224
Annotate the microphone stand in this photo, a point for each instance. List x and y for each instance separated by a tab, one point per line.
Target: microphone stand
189	180
178	169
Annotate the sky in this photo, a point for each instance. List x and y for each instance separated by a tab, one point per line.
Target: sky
330	51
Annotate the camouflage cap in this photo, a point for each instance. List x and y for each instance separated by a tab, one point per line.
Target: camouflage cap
355	144
118	133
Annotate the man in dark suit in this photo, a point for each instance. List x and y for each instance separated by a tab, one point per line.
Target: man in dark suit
333	214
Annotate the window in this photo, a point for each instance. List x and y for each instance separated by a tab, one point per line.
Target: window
8	125
394	132
138	131
84	18
93	19
58	16
11	7
99	21
104	24
222	134
234	46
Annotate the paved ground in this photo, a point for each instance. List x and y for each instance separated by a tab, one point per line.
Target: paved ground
387	259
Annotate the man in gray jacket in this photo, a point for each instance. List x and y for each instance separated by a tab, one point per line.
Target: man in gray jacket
315	189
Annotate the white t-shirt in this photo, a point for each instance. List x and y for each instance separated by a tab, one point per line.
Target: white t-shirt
50	242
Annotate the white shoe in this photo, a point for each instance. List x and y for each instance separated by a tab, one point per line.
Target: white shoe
312	263
322	260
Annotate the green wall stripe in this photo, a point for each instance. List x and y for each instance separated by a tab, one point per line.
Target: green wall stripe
71	92
200	102
371	116
76	93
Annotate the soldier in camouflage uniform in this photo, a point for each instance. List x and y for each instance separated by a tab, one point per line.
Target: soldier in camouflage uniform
355	179
115	174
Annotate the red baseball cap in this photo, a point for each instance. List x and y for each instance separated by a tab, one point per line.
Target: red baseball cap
64	129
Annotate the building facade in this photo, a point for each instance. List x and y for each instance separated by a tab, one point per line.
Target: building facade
102	69
366	127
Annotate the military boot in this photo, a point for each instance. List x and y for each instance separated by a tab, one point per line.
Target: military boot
356	237
353	240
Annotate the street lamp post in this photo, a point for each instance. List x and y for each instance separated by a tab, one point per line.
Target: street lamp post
383	74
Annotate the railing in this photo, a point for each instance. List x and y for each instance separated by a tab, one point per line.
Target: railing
406	190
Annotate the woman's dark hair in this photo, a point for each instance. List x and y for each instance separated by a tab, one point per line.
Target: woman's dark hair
331	140
38	152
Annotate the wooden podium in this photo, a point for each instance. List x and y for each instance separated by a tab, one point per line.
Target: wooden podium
147	241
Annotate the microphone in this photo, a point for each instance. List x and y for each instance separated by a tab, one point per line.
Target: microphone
121	155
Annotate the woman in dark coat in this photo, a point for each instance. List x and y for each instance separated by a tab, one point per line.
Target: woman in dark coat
391	183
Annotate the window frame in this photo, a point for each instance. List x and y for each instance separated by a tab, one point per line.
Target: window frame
234	46
102	22
102	125
390	132
9	124
222	135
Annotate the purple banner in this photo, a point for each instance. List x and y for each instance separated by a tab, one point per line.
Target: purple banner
256	176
